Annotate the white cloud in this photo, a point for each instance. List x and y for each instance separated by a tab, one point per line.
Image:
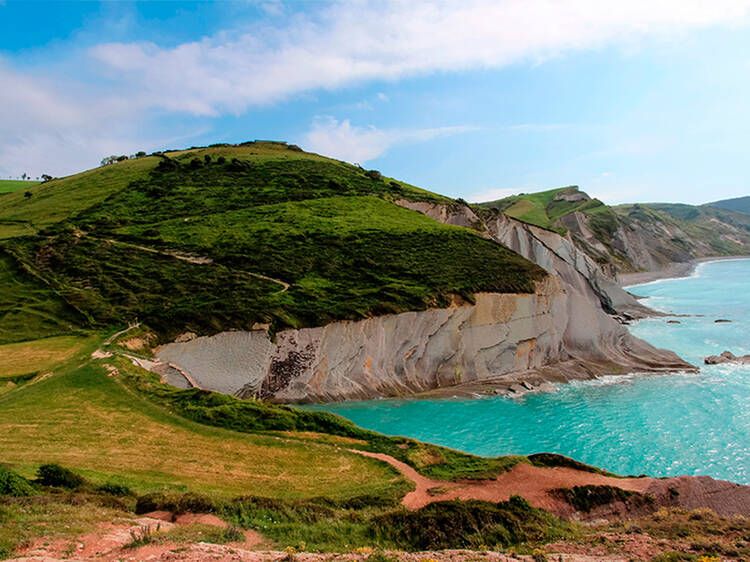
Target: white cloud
494	194
382	96
329	47
342	140
350	42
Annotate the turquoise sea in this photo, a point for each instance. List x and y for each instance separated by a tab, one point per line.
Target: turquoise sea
661	425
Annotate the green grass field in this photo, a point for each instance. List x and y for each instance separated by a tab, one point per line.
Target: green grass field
330	230
8	186
97	425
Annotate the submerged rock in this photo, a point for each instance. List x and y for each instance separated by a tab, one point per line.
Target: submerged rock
727	357
721	320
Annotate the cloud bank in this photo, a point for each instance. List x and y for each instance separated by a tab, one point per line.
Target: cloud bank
338	45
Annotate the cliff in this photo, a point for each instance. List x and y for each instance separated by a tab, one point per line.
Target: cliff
562	331
630	238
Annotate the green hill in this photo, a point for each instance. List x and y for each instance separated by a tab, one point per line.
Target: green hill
8	186
739	204
224	237
546	208
626	238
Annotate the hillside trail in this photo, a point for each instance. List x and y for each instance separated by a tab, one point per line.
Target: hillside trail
192	258
525	480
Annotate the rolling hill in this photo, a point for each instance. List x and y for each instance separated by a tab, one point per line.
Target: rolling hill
637	237
224	237
739	204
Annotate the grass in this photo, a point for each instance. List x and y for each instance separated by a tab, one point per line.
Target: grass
8	186
58	199
29	308
89	422
326	228
39	356
543	210
54	518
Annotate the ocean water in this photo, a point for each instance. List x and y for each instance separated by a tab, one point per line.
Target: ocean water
661	425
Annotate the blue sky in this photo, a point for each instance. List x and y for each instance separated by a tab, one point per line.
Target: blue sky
636	101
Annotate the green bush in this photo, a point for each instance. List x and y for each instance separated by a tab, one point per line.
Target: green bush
12	484
469	524
114	489
586	498
58	477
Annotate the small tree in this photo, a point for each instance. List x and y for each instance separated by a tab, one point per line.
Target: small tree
46	177
27	194
140	154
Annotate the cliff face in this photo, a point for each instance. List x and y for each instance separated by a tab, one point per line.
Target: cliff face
560	332
557	254
390	355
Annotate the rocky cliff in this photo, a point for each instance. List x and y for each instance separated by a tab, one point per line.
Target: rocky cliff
563	331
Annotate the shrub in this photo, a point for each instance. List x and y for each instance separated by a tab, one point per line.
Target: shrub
586	498
12	484
374	175
469	524
57	476
195	163
221	160
207	158
114	489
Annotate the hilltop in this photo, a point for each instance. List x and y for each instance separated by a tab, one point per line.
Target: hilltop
228	237
739	204
634	237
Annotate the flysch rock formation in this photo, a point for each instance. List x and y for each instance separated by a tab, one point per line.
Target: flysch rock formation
502	343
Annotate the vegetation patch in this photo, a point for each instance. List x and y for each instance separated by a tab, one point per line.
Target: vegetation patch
12	484
587	498
470	524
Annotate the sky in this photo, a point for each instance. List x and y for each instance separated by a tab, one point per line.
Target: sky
632	101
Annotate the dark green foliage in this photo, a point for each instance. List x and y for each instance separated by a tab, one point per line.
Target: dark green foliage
586	498
470	524
30	309
552	460
12	484
115	283
56	476
114	489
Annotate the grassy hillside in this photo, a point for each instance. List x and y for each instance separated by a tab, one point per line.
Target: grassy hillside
628	238
739	204
223	237
285	472
8	186
546	208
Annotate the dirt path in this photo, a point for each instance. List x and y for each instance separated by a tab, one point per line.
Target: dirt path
192	258
531	482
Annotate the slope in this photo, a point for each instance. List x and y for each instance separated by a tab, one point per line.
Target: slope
546	208
203	240
626	238
739	204
8	186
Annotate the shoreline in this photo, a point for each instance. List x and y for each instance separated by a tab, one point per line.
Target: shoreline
675	270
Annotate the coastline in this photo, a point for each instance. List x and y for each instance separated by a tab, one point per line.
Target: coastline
676	270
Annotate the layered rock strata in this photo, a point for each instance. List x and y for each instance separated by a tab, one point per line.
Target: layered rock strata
503	342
